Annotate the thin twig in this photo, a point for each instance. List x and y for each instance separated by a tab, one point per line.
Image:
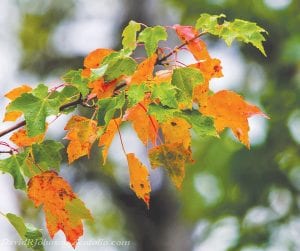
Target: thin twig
23	123
175	50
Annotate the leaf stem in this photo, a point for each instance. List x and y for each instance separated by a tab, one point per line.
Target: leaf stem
120	136
152	122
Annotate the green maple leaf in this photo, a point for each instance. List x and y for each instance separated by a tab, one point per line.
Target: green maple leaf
47	154
185	79
129	35
74	78
166	93
120	66
110	108
136	93
151	36
14	166
35	111
28	233
245	31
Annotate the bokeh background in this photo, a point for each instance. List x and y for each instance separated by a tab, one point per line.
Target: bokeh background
232	198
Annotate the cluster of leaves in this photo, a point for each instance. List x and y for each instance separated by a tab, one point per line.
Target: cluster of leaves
162	106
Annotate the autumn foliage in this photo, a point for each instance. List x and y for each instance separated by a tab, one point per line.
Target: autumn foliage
161	98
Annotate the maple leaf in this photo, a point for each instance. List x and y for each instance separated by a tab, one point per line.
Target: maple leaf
110	108
63	209
102	89
136	93
151	36
173	157
36	106
144	124
210	68
144	71
129	35
230	110
31	236
107	137
188	34
21	139
176	130
186	79
82	134
95	58
12	95
14	166
166	93
47	154
139	181
241	30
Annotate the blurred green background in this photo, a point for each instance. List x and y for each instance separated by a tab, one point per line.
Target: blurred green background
232	198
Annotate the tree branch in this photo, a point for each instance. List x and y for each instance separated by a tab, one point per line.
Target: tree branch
160	61
23	123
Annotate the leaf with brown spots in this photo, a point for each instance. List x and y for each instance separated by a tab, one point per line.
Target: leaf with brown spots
63	209
173	157
20	138
139	181
144	71
145	125
12	95
107	137
82	134
177	130
210	68
230	110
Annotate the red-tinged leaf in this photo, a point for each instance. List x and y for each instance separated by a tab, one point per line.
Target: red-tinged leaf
176	130
107	137
12	95
145	125
210	68
230	110
139	181
82	134
21	139
94	59
188	35
102	89
173	157
63	209
144	71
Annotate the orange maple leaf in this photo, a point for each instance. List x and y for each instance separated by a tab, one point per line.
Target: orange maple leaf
82	134
230	110
21	139
139	181
210	68
102	89
63	210
145	125
144	71
94	58
188	35
107	137
12	95
176	130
